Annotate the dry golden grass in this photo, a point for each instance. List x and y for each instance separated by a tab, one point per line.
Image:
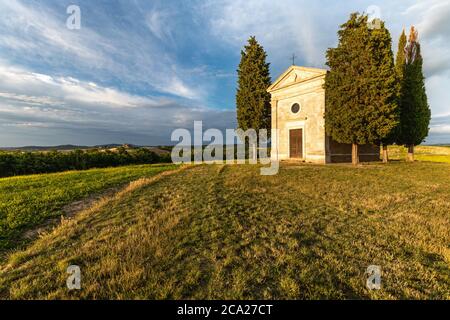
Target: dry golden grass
225	232
422	153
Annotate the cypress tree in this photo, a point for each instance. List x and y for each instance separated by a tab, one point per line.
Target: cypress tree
399	67
362	86
400	59
388	88
252	98
415	112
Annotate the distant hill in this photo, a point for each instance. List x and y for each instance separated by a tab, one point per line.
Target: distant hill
66	147
44	148
159	150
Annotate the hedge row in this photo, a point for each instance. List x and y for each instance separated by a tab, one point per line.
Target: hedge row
21	163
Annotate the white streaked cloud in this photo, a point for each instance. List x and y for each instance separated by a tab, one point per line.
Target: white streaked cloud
440	129
25	86
29	28
65	109
159	23
40	33
283	27
27	125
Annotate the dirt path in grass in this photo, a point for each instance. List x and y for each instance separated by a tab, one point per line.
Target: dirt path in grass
70	210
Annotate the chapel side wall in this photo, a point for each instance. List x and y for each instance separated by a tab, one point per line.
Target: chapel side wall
342	152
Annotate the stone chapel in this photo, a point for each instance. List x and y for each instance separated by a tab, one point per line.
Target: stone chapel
298	110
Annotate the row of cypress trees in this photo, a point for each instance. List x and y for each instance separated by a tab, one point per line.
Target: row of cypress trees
370	99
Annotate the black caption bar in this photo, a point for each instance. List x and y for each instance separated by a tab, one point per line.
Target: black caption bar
221	309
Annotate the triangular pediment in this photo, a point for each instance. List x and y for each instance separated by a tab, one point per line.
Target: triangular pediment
296	74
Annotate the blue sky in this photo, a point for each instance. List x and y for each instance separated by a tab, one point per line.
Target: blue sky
138	69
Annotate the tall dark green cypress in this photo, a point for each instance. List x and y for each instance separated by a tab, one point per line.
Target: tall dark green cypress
252	98
388	88
400	59
415	112
362	86
400	68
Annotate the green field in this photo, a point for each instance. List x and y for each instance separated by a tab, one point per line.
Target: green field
27	201
226	232
422	153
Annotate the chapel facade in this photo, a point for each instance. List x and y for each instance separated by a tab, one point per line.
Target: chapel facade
298	112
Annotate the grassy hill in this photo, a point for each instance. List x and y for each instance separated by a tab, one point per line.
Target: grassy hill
27	201
226	232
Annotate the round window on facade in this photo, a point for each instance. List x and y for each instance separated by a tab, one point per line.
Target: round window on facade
295	108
